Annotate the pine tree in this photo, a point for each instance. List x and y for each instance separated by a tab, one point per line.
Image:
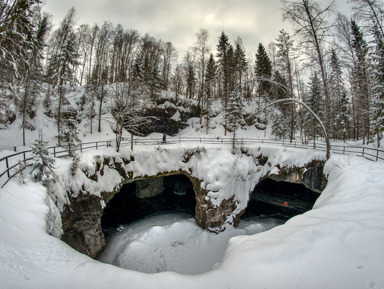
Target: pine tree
16	34
61	64
361	77
263	71
315	103
88	106
210	78
33	73
69	137
377	105
155	84
224	65
286	56
43	162
336	92
21	173
280	126
240	62
234	114
343	118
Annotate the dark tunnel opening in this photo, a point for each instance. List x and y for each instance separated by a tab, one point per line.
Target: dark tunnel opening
282	200
145	198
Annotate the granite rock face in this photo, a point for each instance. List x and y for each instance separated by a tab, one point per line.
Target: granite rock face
82	225
311	176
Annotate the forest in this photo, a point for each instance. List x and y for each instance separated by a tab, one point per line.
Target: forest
333	63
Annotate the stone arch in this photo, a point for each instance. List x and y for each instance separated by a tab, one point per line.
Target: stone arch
141	198
81	217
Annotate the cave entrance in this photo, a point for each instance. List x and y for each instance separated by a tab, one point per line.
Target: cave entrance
144	198
282	200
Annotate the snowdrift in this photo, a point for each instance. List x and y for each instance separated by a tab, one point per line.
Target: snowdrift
338	244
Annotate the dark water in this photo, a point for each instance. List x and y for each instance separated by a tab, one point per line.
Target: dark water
282	200
126	207
178	197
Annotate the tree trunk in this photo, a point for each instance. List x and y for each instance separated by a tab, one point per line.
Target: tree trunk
234	137
101	107
61	95
131	141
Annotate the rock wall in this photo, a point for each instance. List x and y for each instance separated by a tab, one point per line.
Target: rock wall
311	175
81	217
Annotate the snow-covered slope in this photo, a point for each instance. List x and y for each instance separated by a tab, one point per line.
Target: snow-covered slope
339	244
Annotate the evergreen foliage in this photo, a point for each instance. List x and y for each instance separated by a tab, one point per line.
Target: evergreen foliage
377	105
224	54
43	162
69	137
210	78
361	83
280	125
240	63
342	118
234	114
263	70
315	103
19	34
107	55
337	95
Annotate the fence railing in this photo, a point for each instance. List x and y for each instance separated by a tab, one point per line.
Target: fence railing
10	164
372	154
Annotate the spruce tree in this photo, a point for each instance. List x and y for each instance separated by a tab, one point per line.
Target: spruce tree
63	60
43	162
343	118
377	105
336	92
155	84
224	65
286	56
234	114
361	78
280	125
88	106
69	137
315	103
61	71
241	64
17	32
209	82
33	73
263	71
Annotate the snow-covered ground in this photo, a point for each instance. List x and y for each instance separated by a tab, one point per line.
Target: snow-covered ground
338	244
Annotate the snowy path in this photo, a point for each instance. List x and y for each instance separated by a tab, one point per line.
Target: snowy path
339	244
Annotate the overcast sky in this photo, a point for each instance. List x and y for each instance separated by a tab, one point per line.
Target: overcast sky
178	21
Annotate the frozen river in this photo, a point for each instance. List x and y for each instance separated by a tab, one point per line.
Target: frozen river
173	242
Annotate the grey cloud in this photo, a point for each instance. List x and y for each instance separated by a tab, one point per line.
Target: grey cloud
178	21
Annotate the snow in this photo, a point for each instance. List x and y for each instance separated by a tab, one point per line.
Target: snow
176	117
338	244
167	241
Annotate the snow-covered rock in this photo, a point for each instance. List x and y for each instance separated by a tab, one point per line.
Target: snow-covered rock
222	178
